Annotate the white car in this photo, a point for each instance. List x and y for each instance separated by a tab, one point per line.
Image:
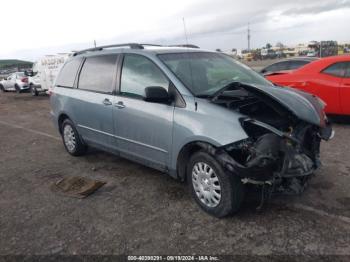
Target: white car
15	82
311	54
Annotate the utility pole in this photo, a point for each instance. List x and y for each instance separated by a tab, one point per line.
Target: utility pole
94	43
248	36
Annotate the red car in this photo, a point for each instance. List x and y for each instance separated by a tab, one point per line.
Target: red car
328	78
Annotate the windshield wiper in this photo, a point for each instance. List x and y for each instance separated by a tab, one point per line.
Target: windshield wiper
229	86
203	96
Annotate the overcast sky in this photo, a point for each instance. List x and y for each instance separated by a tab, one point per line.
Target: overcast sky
30	29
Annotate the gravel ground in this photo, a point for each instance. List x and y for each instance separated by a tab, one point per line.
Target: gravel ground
142	211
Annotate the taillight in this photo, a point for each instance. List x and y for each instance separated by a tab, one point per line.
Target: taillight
50	91
24	79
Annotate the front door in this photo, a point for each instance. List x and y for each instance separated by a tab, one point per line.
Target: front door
143	129
10	83
345	91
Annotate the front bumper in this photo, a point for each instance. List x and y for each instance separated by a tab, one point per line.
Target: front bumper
327	133
39	88
24	87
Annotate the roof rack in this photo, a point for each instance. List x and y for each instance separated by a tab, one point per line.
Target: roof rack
185	45
100	48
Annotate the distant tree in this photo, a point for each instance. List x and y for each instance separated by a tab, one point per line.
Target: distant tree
268	45
279	45
218	50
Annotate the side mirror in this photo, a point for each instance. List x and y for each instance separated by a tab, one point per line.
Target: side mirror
156	94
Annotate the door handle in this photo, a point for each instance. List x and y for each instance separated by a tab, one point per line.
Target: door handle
119	105
106	102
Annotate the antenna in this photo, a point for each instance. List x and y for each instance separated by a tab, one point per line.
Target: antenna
248	36
189	58
185	31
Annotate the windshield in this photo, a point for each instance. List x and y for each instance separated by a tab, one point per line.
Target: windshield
204	73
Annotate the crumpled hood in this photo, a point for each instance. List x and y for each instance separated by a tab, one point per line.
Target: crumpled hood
303	105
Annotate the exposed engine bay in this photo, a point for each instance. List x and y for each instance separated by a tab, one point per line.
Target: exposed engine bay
281	150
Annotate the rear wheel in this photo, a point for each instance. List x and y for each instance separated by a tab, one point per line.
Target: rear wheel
216	191
71	139
18	90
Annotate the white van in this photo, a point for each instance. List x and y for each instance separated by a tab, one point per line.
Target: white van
44	72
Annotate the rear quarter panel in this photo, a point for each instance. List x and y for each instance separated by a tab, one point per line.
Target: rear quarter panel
324	86
62	103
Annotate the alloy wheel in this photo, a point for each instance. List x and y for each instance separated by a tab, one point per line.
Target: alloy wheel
206	184
69	138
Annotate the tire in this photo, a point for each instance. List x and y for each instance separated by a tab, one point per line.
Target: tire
71	139
2	89
203	184
33	91
18	90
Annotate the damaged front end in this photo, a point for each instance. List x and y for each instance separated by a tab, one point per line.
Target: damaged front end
284	160
282	150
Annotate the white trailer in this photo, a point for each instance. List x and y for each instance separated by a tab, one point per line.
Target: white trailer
45	71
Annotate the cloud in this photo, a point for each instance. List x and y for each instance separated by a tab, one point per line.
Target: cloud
56	26
232	16
316	7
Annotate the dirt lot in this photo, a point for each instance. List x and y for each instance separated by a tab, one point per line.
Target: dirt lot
142	211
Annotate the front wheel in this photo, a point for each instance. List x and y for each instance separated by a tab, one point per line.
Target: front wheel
71	139
216	191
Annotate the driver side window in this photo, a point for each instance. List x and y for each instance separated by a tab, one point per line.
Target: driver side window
138	73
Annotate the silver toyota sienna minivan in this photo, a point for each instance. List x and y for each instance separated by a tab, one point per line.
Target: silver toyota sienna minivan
200	116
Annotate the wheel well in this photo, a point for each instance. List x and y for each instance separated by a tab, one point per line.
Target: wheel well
185	153
61	118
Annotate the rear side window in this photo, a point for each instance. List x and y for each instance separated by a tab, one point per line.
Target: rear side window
297	64
277	67
138	73
336	69
98	73
68	73
19	75
347	73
